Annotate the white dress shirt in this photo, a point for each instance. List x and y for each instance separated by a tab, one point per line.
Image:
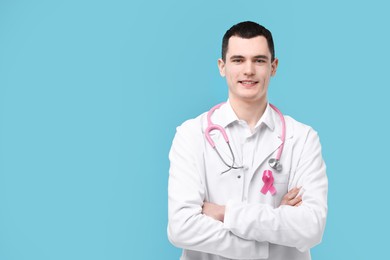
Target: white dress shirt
255	225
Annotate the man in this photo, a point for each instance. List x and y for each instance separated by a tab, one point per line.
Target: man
227	202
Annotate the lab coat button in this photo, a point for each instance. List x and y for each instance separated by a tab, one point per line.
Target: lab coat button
239	176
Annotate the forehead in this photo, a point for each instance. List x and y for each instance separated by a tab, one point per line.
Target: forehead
248	47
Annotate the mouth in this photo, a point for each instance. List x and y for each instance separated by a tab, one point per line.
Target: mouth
248	83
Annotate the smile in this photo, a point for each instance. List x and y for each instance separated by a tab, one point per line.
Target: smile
248	83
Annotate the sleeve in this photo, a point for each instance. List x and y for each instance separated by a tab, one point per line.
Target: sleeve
300	227
188	228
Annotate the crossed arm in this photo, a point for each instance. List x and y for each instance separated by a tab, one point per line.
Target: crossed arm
217	212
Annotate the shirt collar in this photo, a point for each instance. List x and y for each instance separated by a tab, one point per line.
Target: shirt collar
225	115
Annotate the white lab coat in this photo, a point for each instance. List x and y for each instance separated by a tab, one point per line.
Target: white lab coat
255	225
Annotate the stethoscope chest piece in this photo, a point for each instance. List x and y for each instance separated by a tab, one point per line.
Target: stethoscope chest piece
275	164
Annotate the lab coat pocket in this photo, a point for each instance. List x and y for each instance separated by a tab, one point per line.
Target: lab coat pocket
281	186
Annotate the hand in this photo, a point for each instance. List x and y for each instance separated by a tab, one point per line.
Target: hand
215	211
291	198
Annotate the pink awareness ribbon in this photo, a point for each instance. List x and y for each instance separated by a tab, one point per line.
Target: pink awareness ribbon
268	180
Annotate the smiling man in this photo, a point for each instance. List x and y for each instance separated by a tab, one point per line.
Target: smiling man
245	181
248	65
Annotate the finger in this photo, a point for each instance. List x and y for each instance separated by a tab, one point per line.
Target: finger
290	202
292	193
295	201
298	204
286	198
205	207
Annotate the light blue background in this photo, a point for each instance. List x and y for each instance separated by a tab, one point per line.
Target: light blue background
91	93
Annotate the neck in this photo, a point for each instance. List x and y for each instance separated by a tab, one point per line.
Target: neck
250	112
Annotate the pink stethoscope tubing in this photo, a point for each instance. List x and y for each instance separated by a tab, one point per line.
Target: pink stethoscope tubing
273	162
211	127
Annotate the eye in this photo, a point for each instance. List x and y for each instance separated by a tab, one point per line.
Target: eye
260	61
237	61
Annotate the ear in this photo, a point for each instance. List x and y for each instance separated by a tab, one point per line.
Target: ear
221	67
274	66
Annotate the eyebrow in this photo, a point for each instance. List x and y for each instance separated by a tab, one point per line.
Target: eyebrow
255	57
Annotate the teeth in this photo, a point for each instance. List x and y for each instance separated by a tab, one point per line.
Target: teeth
248	82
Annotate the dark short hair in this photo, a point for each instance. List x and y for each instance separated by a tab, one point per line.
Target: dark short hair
248	30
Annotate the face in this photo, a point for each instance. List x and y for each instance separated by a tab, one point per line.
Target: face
248	69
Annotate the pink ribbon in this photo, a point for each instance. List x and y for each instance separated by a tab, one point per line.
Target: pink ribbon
268	180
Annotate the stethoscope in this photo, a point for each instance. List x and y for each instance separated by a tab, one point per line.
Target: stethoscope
274	163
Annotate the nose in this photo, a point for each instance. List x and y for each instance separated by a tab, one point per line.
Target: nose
249	68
